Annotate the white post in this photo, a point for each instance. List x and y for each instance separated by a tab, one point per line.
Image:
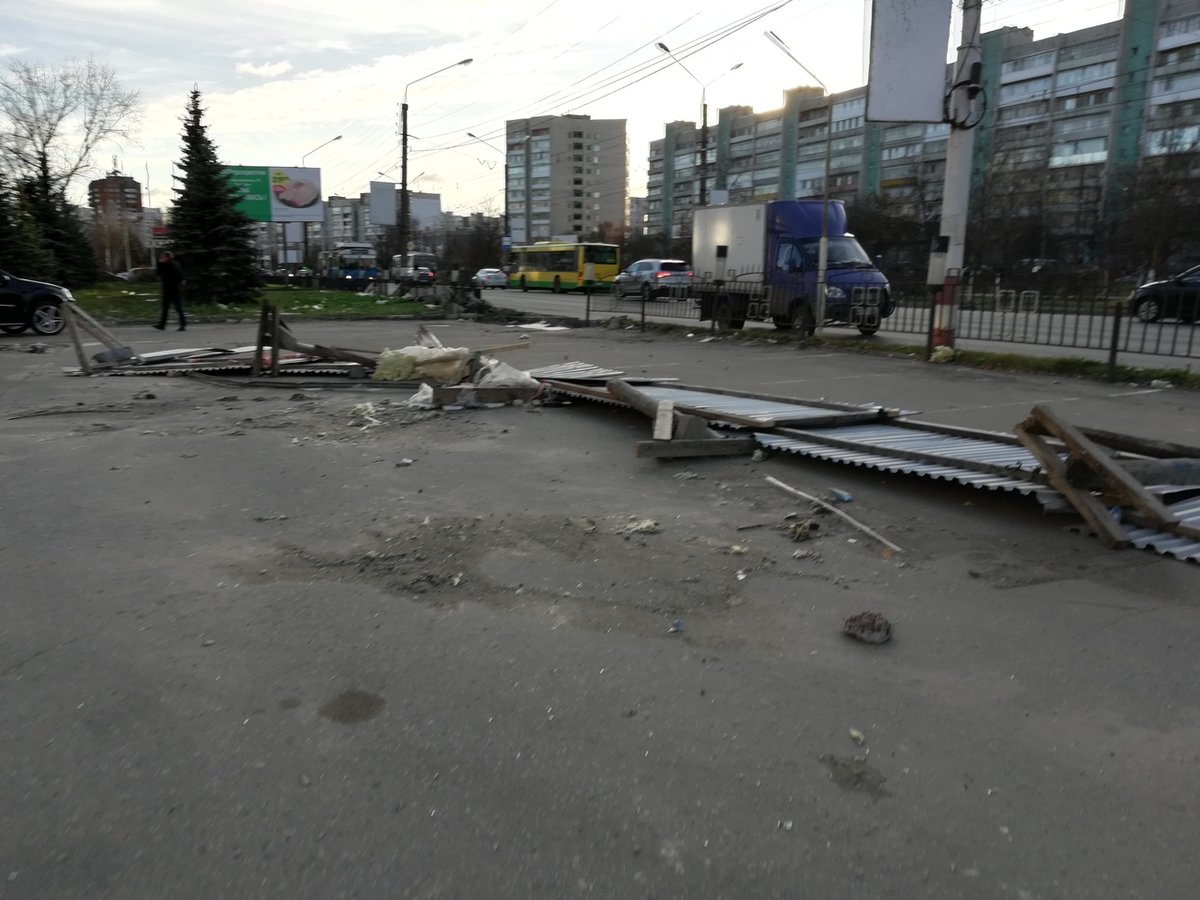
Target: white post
956	193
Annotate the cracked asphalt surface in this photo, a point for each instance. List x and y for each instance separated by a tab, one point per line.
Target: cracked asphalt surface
249	651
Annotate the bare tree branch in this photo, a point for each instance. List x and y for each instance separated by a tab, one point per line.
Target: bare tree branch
56	118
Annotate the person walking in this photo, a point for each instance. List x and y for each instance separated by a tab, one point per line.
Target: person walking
170	278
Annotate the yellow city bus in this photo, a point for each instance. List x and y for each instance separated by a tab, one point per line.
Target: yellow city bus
562	267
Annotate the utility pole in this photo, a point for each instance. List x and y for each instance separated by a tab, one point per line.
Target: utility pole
956	195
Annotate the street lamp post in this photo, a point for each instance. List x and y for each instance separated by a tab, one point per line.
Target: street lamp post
823	246
703	117
404	206
303	159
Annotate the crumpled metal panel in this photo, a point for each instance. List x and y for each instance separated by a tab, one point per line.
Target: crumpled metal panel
765	410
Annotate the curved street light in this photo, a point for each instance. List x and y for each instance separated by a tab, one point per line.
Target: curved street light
303	159
703	116
404	206
315	149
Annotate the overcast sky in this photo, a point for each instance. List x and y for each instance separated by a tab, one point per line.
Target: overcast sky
281	77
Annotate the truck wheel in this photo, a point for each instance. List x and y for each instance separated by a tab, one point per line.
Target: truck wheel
802	318
867	329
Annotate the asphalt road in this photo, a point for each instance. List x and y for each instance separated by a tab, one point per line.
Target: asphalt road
256	646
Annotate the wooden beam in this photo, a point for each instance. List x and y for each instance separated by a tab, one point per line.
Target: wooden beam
1093	511
1144	446
1123	486
678	449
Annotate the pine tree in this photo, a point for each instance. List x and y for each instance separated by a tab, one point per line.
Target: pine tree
22	249
43	201
210	237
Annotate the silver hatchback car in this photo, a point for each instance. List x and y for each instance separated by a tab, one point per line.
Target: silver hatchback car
653	278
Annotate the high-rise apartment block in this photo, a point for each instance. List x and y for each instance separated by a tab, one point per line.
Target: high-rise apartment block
1067	120
565	177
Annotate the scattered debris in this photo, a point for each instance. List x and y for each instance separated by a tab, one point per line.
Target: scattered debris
802	531
841	496
677	627
821	503
640	526
857	736
868	627
401	463
785	825
365	414
37	348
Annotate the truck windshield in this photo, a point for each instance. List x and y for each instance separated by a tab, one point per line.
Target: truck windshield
844	253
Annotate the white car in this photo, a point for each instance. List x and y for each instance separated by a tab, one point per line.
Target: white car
491	278
653	278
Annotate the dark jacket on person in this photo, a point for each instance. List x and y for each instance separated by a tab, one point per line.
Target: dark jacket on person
170	274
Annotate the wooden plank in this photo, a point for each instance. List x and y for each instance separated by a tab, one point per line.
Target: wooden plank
1144	446
1123	486
664	421
679	449
457	393
1092	510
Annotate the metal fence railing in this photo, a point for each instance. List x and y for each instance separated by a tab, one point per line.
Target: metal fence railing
993	312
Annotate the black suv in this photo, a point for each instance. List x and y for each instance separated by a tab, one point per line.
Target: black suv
31	304
1172	298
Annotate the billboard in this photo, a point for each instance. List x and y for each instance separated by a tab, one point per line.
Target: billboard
278	193
907	80
383	203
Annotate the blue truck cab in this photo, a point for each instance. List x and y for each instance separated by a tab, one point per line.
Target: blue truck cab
762	261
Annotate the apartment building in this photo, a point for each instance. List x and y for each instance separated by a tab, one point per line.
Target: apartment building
565	176
1066	123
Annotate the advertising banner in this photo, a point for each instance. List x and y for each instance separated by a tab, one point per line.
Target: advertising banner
278	193
909	41
383	203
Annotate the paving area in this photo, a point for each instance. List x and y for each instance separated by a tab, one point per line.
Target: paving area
259	643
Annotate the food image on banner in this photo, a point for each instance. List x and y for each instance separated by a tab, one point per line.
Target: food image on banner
278	193
295	195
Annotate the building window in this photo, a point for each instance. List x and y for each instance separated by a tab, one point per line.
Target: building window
1037	61
1078	153
1020	89
1084	74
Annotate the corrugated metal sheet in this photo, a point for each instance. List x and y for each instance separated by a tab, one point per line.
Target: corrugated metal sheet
990	453
1186	510
570	371
766	411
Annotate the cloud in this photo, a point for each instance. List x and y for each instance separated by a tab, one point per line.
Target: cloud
10	49
266	70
